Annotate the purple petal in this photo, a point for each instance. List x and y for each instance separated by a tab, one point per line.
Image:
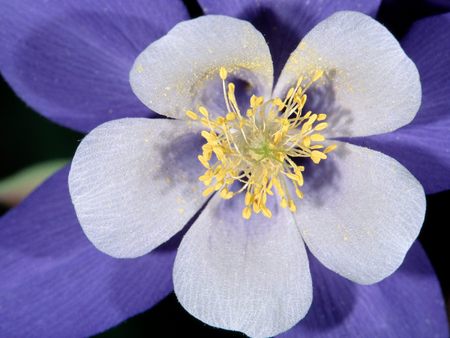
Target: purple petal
285	22
407	304
424	145
70	60
56	284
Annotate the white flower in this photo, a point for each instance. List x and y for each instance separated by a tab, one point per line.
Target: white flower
134	182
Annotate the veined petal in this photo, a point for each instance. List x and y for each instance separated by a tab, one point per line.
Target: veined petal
285	22
134	183
70	60
423	146
173	74
362	215
372	85
250	276
55	283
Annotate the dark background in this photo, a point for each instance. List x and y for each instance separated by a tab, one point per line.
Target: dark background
27	138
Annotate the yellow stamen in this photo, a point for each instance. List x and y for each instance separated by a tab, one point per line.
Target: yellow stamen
321	126
330	148
256	152
203	111
231	116
246	213
223	73
192	115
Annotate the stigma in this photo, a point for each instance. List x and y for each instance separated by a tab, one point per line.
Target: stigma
257	151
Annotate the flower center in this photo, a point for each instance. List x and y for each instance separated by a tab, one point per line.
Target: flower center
257	151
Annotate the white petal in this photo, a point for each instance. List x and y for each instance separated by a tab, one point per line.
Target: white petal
361	214
375	87
180	71
134	183
249	276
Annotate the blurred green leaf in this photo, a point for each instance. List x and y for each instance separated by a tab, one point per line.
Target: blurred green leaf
15	188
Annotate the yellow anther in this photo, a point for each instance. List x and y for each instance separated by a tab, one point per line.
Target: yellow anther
292	206
246	212
284	203
321	117
307	126
321	126
253	101
218	186
256	101
277	137
296	178
289	93
256	207
207	148
279	103
278	186
223	73
312	119
192	115
203	161
317	137
220	121
330	148
303	100
316	156
207	154
266	212
298	193
203	111
208	191
206	179
300	179
317	75
307	141
248	198
219	153
231	88
209	137
231	116
225	194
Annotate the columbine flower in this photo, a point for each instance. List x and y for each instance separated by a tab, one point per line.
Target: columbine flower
70	61
358	216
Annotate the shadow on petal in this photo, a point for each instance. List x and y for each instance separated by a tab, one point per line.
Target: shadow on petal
333	298
281	38
173	243
322	181
180	161
322	99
